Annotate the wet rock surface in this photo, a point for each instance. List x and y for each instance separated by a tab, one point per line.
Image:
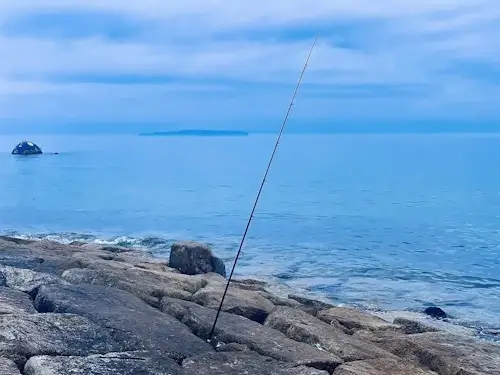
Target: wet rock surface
102	310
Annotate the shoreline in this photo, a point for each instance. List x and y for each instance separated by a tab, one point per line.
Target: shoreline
86	307
488	332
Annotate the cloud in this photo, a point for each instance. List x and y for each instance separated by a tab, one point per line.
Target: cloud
128	61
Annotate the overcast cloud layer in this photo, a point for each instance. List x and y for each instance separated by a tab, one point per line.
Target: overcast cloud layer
220	64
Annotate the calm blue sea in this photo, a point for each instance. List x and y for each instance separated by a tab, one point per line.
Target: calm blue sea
381	221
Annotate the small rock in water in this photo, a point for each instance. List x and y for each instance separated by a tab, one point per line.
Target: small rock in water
26	148
435	312
192	258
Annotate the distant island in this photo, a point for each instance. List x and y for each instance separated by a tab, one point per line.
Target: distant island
198	133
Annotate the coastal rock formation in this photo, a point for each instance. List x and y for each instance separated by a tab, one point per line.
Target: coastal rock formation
26	148
102	310
128	363
25	335
243	364
237	329
7	367
303	327
192	258
15	302
354	320
129	320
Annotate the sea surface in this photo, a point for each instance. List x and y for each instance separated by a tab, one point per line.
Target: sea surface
378	221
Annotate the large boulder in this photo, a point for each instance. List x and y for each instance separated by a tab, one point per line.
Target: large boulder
256	337
130	321
300	326
14	302
25	335
192	258
243	364
133	363
26	148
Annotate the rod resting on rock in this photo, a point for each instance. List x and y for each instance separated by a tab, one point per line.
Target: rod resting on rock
261	186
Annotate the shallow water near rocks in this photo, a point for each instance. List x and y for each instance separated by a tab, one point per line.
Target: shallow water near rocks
380	221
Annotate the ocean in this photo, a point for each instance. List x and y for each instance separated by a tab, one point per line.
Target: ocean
397	222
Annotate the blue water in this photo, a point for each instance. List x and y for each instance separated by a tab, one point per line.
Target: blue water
382	221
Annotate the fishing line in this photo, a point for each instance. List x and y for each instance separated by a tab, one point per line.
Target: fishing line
261	186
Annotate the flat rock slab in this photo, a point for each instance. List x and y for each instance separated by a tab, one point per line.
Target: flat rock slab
109	364
15	302
247	303
300	326
148	285
237	329
26	280
380	367
444	353
25	335
354	320
129	320
7	367
243	364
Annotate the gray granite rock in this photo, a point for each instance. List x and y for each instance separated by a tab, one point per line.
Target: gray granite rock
300	326
238	363
247	303
13	301
25	335
381	366
26	280
8	367
148	285
131	321
442	352
354	320
260	339
131	363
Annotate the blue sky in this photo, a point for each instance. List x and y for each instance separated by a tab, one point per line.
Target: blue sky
126	65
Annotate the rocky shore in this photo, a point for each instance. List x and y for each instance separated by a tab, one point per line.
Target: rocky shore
100	310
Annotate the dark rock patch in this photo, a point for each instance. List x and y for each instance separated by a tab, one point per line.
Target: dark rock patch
411	327
435	312
192	258
131	322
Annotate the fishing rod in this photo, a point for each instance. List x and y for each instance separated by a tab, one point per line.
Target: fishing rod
261	186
